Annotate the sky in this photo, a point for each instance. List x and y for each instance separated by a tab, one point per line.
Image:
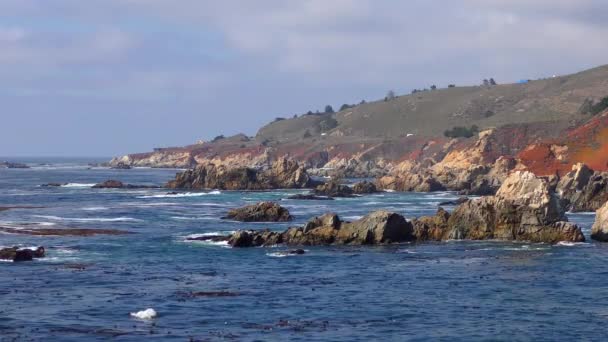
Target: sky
110	77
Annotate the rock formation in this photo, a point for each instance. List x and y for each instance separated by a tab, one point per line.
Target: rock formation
524	209
283	173
379	227
583	189
600	227
260	212
21	254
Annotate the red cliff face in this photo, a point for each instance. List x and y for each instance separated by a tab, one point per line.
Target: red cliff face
587	143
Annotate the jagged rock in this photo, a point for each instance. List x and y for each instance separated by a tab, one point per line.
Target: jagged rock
524	209
583	189
121	166
431	228
409	182
21	254
284	173
379	227
310	197
260	212
333	189
600	227
364	187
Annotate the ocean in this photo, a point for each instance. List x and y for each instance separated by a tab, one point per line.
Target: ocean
87	287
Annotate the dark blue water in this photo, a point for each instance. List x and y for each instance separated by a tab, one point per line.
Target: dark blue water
87	286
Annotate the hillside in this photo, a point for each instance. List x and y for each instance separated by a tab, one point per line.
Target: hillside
370	138
430	113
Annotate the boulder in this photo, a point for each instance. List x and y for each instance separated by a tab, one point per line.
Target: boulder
21	254
599	231
379	227
333	188
431	228
364	187
260	212
121	166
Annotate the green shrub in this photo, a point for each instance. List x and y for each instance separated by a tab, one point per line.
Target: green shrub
219	137
328	124
461	132
600	106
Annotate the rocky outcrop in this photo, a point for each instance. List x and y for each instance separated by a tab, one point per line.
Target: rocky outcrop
333	188
364	187
478	169
21	254
260	212
524	209
283	174
121	166
599	231
379	227
583	189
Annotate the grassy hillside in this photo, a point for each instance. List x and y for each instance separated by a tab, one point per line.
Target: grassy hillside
558	100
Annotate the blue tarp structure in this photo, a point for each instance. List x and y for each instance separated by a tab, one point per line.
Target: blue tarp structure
522	81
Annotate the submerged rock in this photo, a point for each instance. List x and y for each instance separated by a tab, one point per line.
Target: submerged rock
21	254
282	174
599	231
310	197
10	165
260	212
115	184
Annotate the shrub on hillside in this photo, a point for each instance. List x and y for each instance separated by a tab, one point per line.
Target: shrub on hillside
218	138
600	106
328	124
461	132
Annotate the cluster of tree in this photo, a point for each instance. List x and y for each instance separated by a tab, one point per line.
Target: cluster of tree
328	124
279	119
461	132
390	95
489	82
219	137
600	106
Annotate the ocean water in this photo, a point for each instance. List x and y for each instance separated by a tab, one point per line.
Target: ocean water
87	287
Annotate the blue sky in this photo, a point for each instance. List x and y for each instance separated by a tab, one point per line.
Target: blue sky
109	77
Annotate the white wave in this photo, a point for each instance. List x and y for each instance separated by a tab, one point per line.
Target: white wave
585	213
193	218
145	314
389	190
283	254
91	219
372	203
199	235
78	185
572	244
95	208
353	217
185	194
406	251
